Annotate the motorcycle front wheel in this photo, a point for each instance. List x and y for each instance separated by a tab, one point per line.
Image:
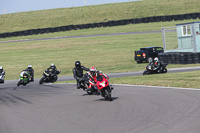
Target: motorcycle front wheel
145	72
19	82
164	70
42	80
108	95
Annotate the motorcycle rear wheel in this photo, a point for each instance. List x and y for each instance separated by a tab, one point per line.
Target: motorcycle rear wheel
89	92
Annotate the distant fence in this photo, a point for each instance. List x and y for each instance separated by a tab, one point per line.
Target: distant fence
102	24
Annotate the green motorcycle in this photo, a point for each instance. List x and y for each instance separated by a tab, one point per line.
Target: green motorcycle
24	78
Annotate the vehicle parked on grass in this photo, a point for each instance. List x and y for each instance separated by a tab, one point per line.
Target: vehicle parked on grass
47	78
150	69
147	54
23	78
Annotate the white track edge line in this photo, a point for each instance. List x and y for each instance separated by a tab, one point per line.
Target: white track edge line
176	88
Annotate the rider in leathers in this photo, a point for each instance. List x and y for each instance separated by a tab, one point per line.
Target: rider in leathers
93	74
53	71
78	73
2	72
31	72
157	64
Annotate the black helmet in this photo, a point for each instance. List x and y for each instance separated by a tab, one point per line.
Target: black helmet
77	63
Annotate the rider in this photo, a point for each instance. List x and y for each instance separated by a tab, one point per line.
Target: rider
2	71
30	70
157	64
78	73
52	71
93	74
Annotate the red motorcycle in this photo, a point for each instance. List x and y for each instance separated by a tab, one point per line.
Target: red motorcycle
103	87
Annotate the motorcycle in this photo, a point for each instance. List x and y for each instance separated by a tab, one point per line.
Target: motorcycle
47	77
103	87
84	82
23	78
150	69
2	78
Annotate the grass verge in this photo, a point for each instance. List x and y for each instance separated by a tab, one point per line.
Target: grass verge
181	80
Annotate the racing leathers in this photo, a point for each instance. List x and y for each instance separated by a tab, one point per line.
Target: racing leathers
2	74
157	66
52	71
79	76
31	72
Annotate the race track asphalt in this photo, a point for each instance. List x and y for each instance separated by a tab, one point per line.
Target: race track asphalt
61	108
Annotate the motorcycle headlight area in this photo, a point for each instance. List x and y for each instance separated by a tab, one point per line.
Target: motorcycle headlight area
103	84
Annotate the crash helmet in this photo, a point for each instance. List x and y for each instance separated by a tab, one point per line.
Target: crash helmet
77	64
30	67
52	65
156	59
93	70
1	68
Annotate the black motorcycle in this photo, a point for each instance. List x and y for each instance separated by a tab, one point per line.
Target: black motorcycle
150	69
48	78
84	82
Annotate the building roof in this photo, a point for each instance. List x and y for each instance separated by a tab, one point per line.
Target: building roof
188	23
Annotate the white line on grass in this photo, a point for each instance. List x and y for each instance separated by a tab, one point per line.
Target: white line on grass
177	88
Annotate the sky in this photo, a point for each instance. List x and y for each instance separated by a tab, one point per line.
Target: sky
15	6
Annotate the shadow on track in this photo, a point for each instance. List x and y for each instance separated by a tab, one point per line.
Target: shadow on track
103	99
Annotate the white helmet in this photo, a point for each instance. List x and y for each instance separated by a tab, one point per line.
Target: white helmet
29	66
52	64
156	59
1	67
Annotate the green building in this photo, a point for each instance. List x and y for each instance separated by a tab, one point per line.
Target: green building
186	38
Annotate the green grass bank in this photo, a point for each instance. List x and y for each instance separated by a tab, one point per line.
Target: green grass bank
98	13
